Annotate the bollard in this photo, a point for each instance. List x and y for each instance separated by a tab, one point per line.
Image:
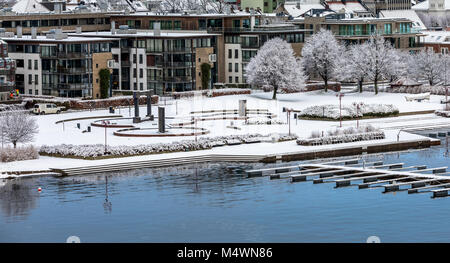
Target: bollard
136	118
161	120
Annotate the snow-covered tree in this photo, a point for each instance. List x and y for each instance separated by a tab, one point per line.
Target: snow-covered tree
18	127
381	58
429	65
352	65
320	54
275	67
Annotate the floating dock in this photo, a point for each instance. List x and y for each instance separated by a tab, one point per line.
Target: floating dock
393	177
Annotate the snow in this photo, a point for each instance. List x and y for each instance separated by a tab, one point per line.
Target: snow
29	6
292	9
408	14
56	134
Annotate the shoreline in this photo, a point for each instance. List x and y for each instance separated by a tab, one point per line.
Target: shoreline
274	152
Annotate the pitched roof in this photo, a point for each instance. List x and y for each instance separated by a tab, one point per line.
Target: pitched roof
409	14
28	6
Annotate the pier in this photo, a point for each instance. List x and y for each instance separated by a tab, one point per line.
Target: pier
392	177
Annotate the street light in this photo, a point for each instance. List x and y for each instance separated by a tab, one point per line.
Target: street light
358	105
340	95
288	115
105	124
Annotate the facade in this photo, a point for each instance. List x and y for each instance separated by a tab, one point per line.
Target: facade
398	31
160	61
438	41
7	71
58	65
438	8
375	6
240	47
266	6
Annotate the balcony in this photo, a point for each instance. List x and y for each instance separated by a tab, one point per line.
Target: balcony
70	55
178	79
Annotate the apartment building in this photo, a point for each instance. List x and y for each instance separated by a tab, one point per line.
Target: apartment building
375	6
400	32
162	61
57	64
240	47
7	71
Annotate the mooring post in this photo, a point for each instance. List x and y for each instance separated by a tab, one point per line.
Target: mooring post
161	120
136	118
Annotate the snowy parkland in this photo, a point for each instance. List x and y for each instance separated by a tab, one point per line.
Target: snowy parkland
51	133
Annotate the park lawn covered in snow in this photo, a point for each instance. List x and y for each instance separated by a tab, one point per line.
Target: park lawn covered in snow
179	111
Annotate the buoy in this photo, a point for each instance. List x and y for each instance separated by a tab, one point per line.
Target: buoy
39	189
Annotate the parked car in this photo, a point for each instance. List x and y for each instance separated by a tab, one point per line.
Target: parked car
47	108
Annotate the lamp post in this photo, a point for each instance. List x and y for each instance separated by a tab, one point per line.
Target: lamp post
105	124
340	95
288	115
358	107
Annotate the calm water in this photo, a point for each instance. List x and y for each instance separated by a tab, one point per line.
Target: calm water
216	203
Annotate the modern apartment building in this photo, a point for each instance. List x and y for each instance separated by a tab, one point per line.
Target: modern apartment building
57	64
156	60
375	6
399	31
7	71
240	47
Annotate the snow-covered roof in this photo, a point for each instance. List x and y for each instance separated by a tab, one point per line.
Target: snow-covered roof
405	81
146	33
293	11
27	38
425	5
28	6
408	14
442	37
348	7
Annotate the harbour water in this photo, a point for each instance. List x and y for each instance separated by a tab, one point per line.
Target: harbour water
217	203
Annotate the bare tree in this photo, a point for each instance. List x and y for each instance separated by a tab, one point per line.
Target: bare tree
18	127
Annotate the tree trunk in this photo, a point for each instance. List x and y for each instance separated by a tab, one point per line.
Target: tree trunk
376	86
326	84
274	97
15	144
431	82
360	83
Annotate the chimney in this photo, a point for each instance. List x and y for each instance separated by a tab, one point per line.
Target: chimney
113	27
78	30
156	29
33	33
19	31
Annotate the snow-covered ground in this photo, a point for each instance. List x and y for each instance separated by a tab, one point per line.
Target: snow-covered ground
51	133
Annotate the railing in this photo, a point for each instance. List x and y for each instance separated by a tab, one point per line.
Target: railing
178	79
357	33
67	55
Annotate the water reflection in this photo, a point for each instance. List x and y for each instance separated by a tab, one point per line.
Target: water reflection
18	198
107	204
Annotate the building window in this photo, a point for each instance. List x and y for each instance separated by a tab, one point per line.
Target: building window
236	67
236	53
19	63
141	86
30	79
35	64
236	79
96	80
134	73
36	79
96	65
444	50
134	86
230	79
141	59
134	58
141	73
230	53
29	64
230	67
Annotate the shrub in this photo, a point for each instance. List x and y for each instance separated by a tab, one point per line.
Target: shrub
18	154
